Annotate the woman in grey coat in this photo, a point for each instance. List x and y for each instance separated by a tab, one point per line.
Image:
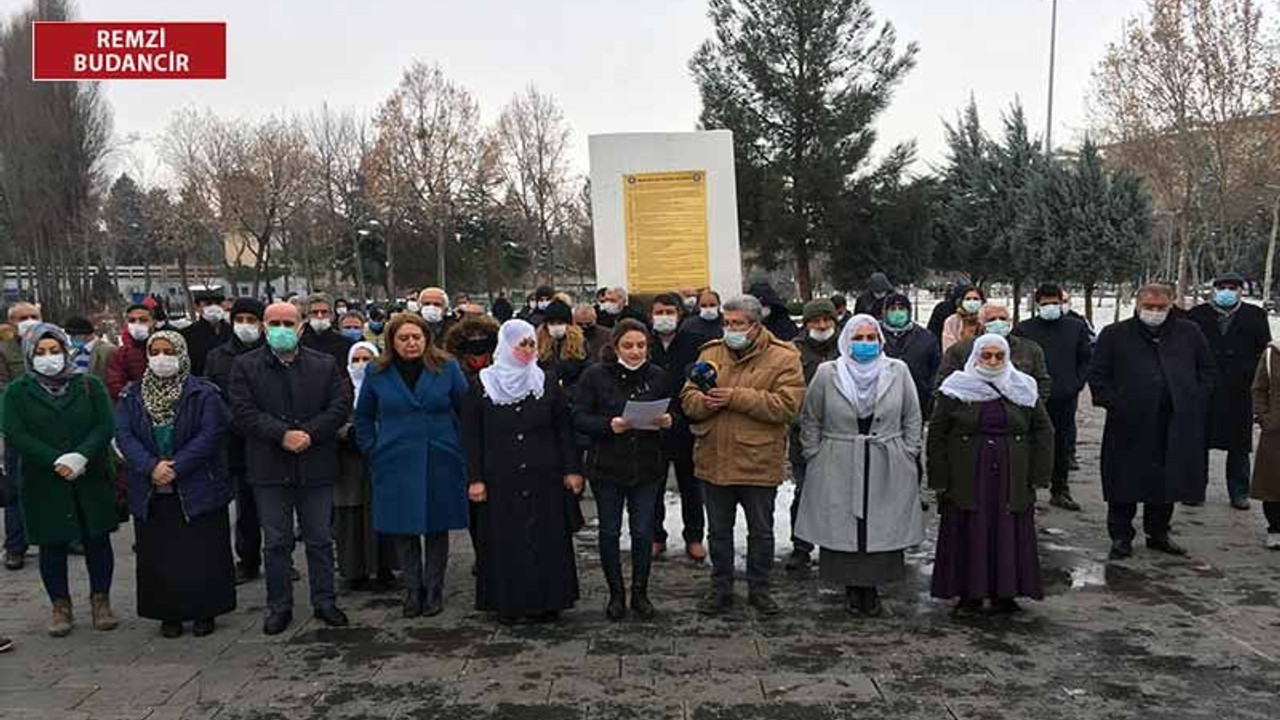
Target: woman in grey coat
861	432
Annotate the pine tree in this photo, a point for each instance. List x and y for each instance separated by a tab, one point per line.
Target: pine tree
799	82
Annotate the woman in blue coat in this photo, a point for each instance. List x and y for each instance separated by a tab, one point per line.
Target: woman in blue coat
406	424
170	428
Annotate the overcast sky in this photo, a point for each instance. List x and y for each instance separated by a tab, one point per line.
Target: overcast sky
614	65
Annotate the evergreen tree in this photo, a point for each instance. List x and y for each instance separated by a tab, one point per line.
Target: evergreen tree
799	82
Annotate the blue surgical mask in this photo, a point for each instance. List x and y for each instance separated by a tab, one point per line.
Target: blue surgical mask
1051	312
353	334
736	339
864	351
375	327
999	327
1226	297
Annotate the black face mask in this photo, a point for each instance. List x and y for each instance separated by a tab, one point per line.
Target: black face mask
479	346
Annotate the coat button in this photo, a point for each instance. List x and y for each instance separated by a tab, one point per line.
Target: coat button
519	437
518	408
523	466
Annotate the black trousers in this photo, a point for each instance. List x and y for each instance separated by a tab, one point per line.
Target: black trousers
692	511
1156	520
1272	512
1063	415
722	511
248	533
424	571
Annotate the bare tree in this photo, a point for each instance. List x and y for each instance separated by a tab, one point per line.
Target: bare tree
533	138
53	139
429	135
1186	99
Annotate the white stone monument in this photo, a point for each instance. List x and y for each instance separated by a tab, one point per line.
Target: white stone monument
665	211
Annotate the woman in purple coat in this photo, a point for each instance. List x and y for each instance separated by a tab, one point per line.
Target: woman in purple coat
990	445
170	427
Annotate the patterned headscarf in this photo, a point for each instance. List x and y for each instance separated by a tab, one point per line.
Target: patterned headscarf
160	395
55	384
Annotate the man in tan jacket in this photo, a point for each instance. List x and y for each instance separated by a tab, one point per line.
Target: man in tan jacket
740	451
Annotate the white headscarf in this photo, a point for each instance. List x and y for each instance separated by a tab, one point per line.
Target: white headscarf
857	381
358	382
1017	387
507	381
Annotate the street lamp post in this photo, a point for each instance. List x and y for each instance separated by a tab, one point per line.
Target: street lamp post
1053	47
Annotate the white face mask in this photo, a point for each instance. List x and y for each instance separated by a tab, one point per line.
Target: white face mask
542	304
356	370
164	365
557	331
629	366
822	336
432	314
609	307
766	311
710	314
212	313
690	303
1153	318
412	306
248	333
988	373
139	331
181	323
25	327
49	365
320	324
665	323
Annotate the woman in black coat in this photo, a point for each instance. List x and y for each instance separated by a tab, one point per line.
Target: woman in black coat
522	462
626	465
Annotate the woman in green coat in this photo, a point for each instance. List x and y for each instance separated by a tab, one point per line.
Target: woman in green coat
60	424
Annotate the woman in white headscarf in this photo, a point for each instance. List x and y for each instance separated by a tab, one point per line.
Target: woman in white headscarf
362	552
522	462
861	432
990	446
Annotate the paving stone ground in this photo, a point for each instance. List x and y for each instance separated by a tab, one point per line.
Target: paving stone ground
1151	637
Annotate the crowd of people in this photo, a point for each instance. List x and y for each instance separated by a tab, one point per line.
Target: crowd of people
370	434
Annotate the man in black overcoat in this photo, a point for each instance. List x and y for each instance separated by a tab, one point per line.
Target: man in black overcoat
1154	375
1237	334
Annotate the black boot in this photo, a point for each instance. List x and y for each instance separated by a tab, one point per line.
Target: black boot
853	600
640	604
617	607
871	606
413	603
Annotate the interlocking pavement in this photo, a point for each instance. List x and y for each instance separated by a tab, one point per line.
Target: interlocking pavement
1150	637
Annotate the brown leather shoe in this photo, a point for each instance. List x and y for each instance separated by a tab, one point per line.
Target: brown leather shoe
103	618
61	619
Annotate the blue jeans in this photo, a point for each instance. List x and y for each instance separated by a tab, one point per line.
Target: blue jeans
640	501
15	531
1238	474
98	558
314	506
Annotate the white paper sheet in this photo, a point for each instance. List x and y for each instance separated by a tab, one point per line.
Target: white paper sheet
643	415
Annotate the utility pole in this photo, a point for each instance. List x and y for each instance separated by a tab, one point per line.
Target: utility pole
1053	47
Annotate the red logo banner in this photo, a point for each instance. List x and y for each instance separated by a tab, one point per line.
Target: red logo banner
128	50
